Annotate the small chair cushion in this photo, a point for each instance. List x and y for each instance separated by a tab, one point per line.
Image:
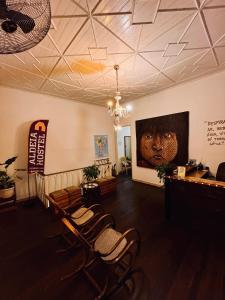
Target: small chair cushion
106	241
82	215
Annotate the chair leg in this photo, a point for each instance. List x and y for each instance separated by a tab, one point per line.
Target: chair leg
64	250
79	269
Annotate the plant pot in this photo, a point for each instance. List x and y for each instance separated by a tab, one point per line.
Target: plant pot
7	193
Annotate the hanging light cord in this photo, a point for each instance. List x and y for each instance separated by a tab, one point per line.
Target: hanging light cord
116	68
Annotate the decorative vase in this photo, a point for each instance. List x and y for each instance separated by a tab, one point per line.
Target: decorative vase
7	193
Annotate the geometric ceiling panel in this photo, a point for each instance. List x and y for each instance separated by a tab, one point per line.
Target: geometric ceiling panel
144	11
208	3
120	26
66	8
98	53
221	54
45	48
215	19
84	40
53	88
185	55
94	35
192	67
174	49
25	62
19	78
196	36
162	62
105	6
63	73
171	4
88	37
63	28
168	28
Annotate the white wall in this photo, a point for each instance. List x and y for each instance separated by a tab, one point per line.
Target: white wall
204	99
71	129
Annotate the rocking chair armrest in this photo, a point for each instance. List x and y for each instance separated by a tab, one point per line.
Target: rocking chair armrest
99	221
125	250
55	204
96	206
76	205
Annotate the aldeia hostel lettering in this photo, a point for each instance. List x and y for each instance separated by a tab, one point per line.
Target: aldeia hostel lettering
36	146
37	149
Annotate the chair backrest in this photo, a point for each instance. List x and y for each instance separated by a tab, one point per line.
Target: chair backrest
220	174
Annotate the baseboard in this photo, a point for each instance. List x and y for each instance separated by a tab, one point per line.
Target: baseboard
149	183
26	199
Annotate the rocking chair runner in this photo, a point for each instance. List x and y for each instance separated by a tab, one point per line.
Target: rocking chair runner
115	250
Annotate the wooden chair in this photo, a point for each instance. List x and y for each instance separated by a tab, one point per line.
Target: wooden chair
83	218
114	250
125	165
220	174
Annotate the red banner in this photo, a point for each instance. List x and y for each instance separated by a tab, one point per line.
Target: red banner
36	146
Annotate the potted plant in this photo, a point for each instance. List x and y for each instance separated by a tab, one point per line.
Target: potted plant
7	183
91	173
165	170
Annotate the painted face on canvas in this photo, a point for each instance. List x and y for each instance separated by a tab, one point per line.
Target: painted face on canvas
157	149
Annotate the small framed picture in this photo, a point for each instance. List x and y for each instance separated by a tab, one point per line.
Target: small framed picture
101	146
181	171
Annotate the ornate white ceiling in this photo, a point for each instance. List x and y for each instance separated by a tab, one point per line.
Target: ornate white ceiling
156	43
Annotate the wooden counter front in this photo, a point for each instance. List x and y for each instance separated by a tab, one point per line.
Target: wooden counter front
194	196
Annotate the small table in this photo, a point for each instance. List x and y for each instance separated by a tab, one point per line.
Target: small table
91	192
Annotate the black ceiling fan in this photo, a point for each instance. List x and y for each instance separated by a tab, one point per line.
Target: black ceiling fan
23	24
14	18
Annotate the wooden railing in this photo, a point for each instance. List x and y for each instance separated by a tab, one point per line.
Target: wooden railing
47	183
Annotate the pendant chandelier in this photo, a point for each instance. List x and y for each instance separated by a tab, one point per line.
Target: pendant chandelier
116	110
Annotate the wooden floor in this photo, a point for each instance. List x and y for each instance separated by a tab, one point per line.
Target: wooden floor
179	260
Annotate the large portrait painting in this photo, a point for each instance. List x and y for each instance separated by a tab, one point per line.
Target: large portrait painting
162	140
101	146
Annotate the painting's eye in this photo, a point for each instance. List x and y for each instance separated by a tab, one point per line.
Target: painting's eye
148	136
168	135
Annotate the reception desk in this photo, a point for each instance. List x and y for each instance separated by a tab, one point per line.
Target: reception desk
194	196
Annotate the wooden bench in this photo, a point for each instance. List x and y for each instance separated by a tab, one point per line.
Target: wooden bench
67	197
107	185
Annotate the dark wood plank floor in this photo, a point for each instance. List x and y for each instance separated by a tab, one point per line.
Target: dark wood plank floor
179	260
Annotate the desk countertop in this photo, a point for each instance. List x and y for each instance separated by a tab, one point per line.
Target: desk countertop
203	181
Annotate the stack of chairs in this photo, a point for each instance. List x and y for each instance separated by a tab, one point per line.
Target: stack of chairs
68	197
107	185
104	245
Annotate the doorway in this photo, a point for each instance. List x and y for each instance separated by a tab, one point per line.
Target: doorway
124	156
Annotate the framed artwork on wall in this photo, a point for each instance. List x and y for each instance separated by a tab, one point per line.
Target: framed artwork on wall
101	146
162	140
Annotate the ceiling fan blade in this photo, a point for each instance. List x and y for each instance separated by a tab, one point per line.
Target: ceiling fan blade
26	23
